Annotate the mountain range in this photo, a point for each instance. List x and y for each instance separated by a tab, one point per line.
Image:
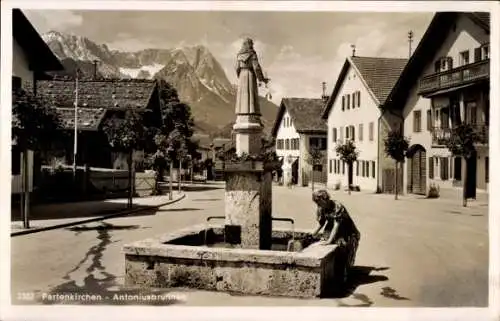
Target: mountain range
198	77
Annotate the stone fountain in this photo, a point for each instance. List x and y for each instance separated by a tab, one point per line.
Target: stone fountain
244	254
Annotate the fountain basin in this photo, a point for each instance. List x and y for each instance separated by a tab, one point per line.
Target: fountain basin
181	259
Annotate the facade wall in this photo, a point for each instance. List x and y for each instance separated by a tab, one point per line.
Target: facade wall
367	113
20	68
464	35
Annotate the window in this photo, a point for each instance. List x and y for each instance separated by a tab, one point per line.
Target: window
471	114
367	164
457	168
343	167
16	82
443	64
373	169
464	58
485	52
16	160
353	100
353	133
370	131
482	53
429	120
417	121
487	169
279	144
357	168
341	132
445	118
363	168
444	168
343	103
330	166
334	135
336	166
348	101
297	144
318	168
360	134
287	144
347	132
431	167
358	100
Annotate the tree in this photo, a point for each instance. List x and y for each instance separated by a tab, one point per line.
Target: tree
167	146
348	154
126	135
461	143
314	158
396	146
35	127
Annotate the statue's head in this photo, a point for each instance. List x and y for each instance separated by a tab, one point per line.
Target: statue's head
247	44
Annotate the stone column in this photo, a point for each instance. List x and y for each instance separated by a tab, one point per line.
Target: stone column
248	130
248	207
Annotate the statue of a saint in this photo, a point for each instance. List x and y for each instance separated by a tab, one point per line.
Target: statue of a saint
249	72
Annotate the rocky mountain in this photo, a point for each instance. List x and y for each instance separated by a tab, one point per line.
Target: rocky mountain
196	74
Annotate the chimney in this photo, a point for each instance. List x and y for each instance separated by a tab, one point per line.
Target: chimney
353	47
324	96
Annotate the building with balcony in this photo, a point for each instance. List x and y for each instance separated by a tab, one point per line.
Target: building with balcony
446	83
298	129
358	110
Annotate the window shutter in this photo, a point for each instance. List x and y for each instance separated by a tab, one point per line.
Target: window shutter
357	168
343	103
431	167
353	133
373	169
477	54
359	99
330	166
341	134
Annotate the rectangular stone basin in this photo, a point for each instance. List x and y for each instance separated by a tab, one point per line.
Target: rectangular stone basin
181	259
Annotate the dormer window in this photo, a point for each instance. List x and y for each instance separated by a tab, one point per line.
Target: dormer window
464	58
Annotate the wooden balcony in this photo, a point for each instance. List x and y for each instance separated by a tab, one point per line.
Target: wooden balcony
456	77
440	135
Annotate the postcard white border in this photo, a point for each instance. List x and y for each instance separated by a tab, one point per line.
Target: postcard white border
8	312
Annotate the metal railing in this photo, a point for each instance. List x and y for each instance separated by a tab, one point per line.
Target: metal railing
455	77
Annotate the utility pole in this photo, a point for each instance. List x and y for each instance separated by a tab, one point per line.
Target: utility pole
410	40
95	61
75	142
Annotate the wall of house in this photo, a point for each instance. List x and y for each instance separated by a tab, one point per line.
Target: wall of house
465	35
20	68
389	121
287	131
367	113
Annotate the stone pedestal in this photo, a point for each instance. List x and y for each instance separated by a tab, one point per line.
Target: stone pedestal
248	130
249	203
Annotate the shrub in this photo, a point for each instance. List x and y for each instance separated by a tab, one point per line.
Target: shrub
433	191
337	186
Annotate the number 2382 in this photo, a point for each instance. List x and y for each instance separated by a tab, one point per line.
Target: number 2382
26	296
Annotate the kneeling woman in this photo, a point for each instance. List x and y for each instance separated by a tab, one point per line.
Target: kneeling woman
338	226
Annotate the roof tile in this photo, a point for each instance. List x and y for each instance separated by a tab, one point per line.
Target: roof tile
380	74
306	113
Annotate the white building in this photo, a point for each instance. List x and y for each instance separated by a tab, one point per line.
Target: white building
358	110
298	128
446	82
31	57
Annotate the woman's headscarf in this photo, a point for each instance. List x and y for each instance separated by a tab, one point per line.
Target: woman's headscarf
320	195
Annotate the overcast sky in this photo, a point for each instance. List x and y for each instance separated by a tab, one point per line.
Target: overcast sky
298	50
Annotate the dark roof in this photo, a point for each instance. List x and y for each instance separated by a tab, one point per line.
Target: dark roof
95	98
116	94
39	55
88	118
482	18
436	33
305	114
378	74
